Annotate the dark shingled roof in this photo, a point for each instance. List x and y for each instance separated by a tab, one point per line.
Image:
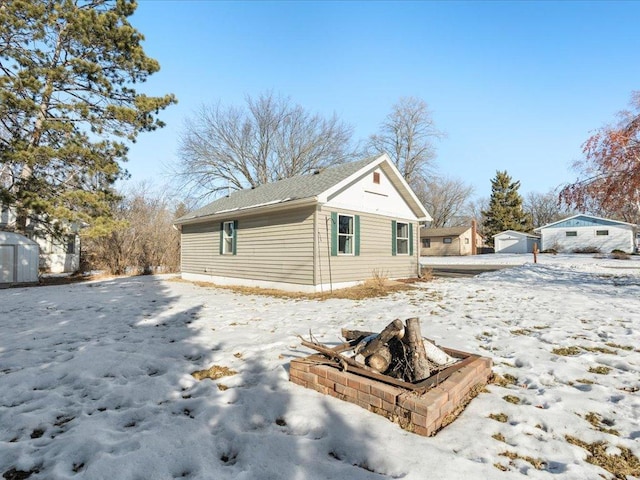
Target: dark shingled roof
443	232
289	189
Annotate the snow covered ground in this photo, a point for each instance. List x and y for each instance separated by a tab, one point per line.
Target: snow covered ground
95	380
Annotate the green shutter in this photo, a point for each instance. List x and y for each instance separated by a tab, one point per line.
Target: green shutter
235	237
393	237
356	232
221	237
411	239
334	234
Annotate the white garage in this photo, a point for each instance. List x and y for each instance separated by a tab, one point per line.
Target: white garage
18	259
511	241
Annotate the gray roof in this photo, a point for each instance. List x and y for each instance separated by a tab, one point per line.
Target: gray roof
289	189
443	232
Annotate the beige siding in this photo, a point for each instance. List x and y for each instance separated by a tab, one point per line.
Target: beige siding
275	247
375	251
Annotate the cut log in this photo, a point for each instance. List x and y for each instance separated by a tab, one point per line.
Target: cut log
380	360
436	355
355	334
417	355
328	352
394	329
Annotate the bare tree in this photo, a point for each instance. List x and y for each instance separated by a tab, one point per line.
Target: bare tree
545	208
142	239
445	199
268	139
474	211
407	136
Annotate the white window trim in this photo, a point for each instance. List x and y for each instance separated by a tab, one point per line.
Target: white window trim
226	237
352	235
398	238
444	240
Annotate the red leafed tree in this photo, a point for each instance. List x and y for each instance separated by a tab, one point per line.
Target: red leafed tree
609	173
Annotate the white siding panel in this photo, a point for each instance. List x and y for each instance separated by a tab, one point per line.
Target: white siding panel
620	238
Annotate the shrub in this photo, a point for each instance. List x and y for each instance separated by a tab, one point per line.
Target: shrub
590	249
620	255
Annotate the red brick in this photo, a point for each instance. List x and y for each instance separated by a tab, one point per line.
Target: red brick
326	382
447	408
407	401
389	407
336	376
425	432
385	392
375	401
299	365
418	419
319	370
320	388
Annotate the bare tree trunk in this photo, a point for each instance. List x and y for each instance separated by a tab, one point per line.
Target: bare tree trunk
417	354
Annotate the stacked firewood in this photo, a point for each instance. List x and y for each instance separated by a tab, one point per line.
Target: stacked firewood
398	351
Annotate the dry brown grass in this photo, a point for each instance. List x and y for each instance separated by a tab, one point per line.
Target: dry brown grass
371	288
601	423
621	347
622	466
567	351
504	380
499	417
214	372
536	462
499	437
600	370
512	399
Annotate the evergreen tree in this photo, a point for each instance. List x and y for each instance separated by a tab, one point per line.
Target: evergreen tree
505	208
68	69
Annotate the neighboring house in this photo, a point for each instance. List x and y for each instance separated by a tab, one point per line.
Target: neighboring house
18	259
57	254
331	229
511	241
448	241
583	232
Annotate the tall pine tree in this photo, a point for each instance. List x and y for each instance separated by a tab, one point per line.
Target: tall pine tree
505	208
68	106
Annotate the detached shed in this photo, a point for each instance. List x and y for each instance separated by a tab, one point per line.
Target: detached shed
18	259
511	241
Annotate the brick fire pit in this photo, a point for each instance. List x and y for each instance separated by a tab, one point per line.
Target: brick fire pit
423	408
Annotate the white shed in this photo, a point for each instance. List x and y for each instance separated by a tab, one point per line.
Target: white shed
18	259
511	241
586	232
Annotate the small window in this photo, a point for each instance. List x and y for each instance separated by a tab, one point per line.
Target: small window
572	234
602	232
402	238
345	235
466	240
447	240
71	244
376	177
227	238
426	243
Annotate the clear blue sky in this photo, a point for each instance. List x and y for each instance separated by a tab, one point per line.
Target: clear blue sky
515	85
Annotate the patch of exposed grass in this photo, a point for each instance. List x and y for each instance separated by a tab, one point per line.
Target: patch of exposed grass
600	350
511	399
499	437
540	327
622	466
536	462
586	381
213	372
600	370
504	380
501	467
222	387
621	347
601	423
499	417
567	351
521	331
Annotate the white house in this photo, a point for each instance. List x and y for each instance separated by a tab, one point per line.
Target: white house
583	232
511	241
58	254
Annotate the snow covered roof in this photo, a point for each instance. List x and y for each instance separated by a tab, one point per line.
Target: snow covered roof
516	233
586	219
300	188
